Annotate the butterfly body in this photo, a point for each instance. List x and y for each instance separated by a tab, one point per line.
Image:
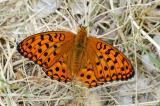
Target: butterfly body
65	57
79	49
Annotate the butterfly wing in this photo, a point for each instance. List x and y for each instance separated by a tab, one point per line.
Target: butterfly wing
48	49
102	63
61	70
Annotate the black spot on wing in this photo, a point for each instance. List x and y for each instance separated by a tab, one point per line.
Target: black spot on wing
108	51
50	38
47	45
61	37
42	37
99	45
39	50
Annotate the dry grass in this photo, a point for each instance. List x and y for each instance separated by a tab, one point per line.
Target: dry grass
130	25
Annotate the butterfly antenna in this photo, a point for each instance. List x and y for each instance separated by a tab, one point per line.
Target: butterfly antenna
72	16
80	25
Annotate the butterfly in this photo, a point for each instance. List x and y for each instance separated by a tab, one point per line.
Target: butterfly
66	56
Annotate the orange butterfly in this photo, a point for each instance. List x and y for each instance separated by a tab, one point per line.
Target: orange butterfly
66	56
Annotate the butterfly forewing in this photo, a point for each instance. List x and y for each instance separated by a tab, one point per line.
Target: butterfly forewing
43	48
49	49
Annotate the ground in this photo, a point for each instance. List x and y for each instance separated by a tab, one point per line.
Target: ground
132	26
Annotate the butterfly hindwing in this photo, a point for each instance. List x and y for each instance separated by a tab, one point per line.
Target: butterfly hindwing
60	70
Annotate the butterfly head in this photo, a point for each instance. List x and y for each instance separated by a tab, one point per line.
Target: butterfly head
82	31
81	37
